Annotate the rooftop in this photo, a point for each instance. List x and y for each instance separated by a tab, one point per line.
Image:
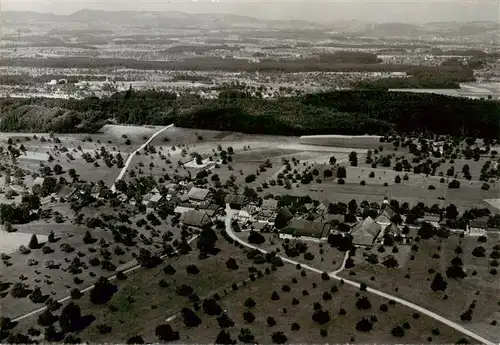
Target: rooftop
365	232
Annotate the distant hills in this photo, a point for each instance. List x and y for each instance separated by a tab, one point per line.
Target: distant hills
173	19
181	20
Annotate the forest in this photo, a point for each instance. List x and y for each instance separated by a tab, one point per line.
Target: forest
336	112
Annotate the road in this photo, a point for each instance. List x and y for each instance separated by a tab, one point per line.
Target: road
335	275
132	155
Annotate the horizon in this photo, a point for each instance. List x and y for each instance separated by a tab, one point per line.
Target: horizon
421	12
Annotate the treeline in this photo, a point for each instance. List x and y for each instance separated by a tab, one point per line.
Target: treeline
338	112
199	49
26	79
335	63
411	82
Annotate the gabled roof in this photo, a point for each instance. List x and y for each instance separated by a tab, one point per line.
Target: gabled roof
155	198
479	223
196	193
365	232
431	218
65	192
39	180
269	204
393	229
195	218
234	199
385	216
303	227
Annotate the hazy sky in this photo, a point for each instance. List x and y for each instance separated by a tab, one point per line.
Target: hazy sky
323	10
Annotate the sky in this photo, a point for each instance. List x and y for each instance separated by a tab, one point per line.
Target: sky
404	11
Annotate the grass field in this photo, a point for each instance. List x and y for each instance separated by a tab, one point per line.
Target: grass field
413	279
325	257
153	303
341	328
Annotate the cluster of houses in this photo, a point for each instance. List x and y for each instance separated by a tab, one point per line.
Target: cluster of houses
196	207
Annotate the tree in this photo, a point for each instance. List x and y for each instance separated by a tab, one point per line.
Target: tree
248	316
451	212
279	338
397	179
136	339
438	283
427	231
191	320
72	174
192	269
225	321
70	317
165	333
46	318
249	303
246	336
207	240
270	321
341	172
224	338
102	291
321	316
363	303
58	170
398	331
211	307
353	159
364	325
33	242
332	160
454	184
231	264
256	238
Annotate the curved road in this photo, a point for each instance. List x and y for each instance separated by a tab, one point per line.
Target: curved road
132	155
334	275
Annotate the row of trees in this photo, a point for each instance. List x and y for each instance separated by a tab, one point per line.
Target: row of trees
337	112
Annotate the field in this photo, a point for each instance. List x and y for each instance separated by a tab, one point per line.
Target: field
341	327
325	258
414	278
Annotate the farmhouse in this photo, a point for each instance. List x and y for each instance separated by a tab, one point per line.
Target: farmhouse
39	181
323	207
269	205
65	192
195	218
235	202
198	194
366	232
432	219
384	218
478	225
306	228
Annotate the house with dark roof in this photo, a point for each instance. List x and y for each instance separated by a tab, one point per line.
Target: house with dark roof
478	225
323	207
198	194
65	192
366	232
195	218
385	216
433	219
236	202
306	228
